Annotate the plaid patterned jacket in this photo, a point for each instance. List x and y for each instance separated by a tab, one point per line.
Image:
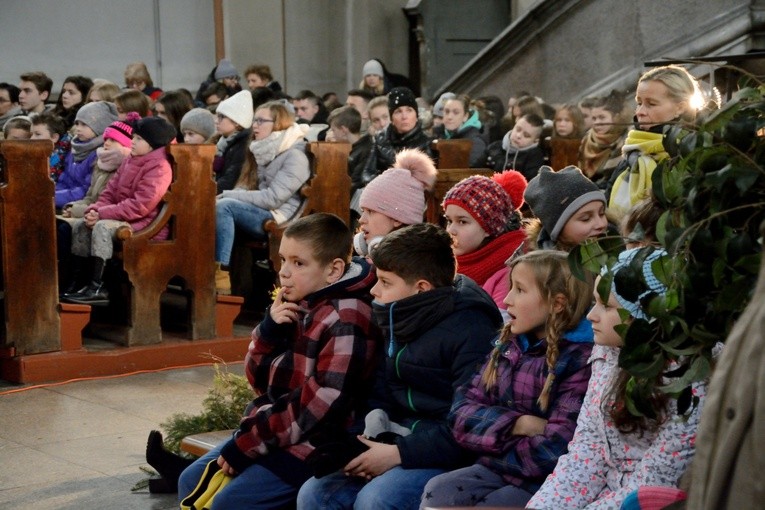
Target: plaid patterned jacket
309	374
482	421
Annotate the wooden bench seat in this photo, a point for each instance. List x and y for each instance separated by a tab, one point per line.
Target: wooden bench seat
200	444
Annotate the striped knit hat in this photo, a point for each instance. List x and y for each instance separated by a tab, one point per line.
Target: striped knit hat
122	131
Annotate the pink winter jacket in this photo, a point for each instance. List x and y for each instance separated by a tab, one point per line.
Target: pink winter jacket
134	193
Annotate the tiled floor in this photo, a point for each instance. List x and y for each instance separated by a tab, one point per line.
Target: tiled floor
79	445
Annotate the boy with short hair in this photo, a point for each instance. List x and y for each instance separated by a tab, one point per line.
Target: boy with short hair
519	149
49	126
307	361
34	91
345	125
437	330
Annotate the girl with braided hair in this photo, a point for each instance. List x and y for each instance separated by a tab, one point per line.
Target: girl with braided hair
519	412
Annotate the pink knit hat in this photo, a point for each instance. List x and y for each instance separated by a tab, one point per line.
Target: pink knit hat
490	201
399	192
122	131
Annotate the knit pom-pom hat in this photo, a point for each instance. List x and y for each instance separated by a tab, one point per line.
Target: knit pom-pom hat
122	131
490	201
238	108
399	192
554	197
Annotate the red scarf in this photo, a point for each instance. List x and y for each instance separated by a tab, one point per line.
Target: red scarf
481	264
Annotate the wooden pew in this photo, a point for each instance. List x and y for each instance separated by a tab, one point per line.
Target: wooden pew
27	234
453	158
452	153
189	210
328	190
564	153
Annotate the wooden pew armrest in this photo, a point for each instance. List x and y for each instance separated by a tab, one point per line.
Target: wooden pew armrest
199	444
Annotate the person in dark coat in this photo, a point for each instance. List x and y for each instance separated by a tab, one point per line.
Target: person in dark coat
437	328
404	132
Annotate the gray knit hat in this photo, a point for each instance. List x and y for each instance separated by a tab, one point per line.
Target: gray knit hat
97	116
199	120
225	69
554	197
372	67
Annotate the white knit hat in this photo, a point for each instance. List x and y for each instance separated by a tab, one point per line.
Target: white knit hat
238	108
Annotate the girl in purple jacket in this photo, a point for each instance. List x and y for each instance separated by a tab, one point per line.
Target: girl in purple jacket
519	412
132	197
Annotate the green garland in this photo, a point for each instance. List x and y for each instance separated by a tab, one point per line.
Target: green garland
712	192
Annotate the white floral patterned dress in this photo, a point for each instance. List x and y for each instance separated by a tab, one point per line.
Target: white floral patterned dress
603	465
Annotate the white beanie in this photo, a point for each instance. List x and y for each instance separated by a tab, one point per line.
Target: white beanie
372	67
238	108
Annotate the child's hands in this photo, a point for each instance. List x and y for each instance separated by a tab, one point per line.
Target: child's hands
66	212
375	461
529	425
226	467
283	312
91	218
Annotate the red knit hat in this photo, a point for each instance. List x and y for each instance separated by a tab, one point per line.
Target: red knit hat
490	201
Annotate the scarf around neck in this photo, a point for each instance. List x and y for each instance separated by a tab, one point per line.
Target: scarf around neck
81	150
597	150
267	149
481	264
644	150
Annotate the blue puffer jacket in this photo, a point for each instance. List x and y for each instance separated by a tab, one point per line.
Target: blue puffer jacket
434	342
74	181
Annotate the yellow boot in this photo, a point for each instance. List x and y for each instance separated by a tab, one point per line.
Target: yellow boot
222	281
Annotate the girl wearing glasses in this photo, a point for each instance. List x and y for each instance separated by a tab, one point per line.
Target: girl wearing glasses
275	168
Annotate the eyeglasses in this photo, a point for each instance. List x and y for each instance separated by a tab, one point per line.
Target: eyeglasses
260	121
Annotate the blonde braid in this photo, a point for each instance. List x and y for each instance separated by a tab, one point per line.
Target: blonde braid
489	376
557	324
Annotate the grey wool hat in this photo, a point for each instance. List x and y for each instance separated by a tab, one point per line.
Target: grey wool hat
554	197
97	116
225	69
199	120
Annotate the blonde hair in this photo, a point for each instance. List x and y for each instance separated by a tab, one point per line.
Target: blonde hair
552	277
137	71
681	86
283	116
106	89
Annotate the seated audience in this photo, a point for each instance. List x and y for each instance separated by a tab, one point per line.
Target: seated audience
437	327
482	216
614	451
519	411
275	169
131	198
307	361
519	149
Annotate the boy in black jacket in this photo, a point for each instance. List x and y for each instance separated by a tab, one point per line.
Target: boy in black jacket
437	329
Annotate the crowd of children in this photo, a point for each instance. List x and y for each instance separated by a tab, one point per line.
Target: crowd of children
462	366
